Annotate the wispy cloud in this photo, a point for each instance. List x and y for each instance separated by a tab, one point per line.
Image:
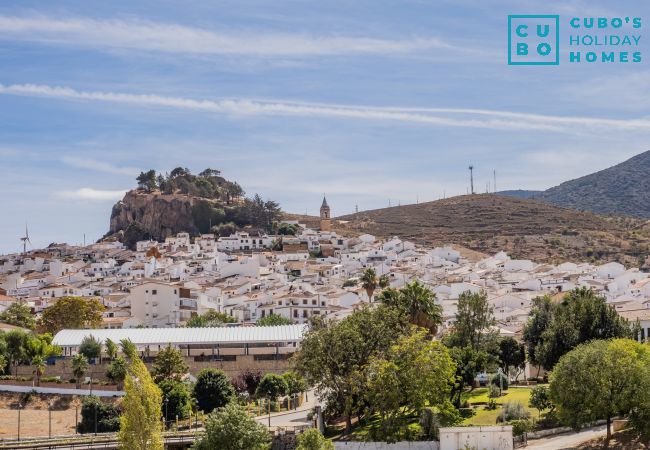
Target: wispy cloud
90	194
172	38
443	117
98	166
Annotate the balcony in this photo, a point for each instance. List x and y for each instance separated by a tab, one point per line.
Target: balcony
186	304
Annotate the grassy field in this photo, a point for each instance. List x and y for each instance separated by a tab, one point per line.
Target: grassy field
479	397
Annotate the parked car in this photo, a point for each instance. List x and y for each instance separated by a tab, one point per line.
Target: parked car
482	378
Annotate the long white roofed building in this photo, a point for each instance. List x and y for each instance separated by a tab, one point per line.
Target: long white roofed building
224	343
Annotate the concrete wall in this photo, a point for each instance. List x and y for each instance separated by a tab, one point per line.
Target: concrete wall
63	368
478	438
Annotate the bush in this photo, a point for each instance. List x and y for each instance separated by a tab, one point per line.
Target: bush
231	427
494	391
312	439
512	411
519	427
495	381
108	416
491	404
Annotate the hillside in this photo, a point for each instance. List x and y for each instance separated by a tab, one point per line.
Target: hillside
524	228
623	189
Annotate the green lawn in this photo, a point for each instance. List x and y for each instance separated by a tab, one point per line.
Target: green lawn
478	398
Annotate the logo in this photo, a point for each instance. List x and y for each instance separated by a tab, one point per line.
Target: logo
533	40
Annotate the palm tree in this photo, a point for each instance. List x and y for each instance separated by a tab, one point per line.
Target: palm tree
39	368
79	368
420	304
417	302
111	349
369	282
384	281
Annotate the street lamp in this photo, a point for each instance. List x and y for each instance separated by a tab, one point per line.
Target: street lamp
20	405
49	414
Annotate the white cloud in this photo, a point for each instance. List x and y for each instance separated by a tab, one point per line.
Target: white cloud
90	194
445	117
98	166
160	37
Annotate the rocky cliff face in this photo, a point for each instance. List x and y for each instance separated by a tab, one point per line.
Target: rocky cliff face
153	215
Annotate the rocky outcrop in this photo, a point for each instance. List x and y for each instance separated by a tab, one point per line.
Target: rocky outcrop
154	214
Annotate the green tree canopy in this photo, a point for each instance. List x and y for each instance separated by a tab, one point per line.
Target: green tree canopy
111	349
231	428
312	439
16	344
600	380
541	316
334	355
71	312
169	365
272	386
295	382
90	347
413	373
212	390
417	303
116	371
19	314
176	399
512	354
211	318
369	282
79	367
108	416
273	320
140	424
581	317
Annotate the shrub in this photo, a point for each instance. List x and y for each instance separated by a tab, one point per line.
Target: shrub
491	404
519	427
312	439
494	391
512	411
495	381
108	416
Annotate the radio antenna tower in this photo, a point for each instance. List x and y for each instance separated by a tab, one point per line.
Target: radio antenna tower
494	186
471	178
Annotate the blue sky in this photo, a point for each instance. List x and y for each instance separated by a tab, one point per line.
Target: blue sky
364	100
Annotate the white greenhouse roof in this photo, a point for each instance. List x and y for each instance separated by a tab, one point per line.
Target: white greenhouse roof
208	335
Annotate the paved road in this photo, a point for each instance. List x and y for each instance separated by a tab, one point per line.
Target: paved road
52	390
567	441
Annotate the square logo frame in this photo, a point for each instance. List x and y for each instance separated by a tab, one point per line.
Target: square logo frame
556	17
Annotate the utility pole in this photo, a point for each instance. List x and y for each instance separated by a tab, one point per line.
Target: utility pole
495	181
471	178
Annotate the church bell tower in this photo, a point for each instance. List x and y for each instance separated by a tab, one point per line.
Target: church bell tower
325	219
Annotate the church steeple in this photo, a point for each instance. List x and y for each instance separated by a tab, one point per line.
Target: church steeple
325	220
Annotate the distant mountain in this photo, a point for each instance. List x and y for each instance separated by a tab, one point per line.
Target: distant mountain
623	189
520	193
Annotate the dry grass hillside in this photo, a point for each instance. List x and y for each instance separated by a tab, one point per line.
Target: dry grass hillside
524	228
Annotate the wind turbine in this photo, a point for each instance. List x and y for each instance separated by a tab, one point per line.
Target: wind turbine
25	240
